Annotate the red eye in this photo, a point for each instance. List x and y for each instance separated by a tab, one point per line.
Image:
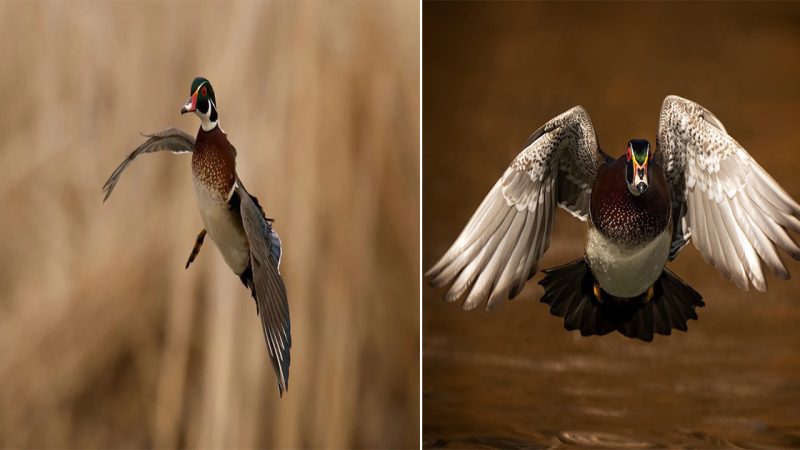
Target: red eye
203	91
629	154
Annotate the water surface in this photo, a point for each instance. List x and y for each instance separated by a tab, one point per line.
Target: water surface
513	377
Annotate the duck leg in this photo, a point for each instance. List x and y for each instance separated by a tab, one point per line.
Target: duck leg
196	249
573	293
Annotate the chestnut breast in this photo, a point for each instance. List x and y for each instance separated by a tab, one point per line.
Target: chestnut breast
214	161
623	217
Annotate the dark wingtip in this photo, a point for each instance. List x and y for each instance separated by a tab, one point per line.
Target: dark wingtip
283	386
108	187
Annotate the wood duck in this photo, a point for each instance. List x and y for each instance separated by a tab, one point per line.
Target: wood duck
233	218
642	208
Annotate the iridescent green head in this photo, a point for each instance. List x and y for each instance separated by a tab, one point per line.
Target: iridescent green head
202	102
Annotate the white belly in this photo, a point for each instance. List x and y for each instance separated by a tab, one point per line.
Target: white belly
224	227
626	272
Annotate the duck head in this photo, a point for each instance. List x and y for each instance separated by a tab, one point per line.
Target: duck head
638	157
203	103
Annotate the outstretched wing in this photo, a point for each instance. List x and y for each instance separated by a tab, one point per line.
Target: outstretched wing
732	210
268	287
171	139
499	249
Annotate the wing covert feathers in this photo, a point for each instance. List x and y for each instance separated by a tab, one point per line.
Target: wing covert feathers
736	215
501	245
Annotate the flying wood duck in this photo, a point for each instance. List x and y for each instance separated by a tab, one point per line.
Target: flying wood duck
232	217
642	208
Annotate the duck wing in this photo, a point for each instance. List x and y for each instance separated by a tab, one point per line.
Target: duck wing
723	200
268	288
171	139
500	247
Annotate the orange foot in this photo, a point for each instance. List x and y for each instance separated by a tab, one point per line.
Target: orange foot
649	294
596	291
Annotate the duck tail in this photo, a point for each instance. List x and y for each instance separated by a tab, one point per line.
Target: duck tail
572	293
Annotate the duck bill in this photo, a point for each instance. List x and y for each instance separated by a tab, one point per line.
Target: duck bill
190	105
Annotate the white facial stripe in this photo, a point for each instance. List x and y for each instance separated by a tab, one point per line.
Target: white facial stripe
205	119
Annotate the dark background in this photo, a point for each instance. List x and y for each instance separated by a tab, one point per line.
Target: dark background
492	74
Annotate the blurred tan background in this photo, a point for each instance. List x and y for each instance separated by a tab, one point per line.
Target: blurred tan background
492	74
106	340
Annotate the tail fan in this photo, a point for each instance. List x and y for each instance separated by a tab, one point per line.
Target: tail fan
570	292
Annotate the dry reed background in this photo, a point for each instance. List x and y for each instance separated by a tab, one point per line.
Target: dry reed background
105	340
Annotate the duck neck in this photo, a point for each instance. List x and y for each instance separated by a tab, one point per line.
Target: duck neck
210	119
208	125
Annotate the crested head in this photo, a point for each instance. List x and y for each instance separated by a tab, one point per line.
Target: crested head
203	103
197	84
638	156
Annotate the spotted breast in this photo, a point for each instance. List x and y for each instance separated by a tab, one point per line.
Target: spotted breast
624	218
214	173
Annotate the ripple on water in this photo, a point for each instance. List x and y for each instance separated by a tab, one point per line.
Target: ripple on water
593	439
774	439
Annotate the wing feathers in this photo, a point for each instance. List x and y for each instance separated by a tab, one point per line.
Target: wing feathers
499	248
733	254
737	213
773	230
770	188
749	265
268	288
760	243
503	260
171	139
494	251
515	262
472	240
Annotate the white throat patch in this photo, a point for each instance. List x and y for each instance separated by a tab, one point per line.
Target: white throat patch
205	119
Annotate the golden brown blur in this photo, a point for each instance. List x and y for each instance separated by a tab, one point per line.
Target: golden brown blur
106	340
513	377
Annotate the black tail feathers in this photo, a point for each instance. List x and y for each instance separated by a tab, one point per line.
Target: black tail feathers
570	292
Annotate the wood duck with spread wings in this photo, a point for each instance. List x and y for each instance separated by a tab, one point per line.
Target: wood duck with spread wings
642	208
233	218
